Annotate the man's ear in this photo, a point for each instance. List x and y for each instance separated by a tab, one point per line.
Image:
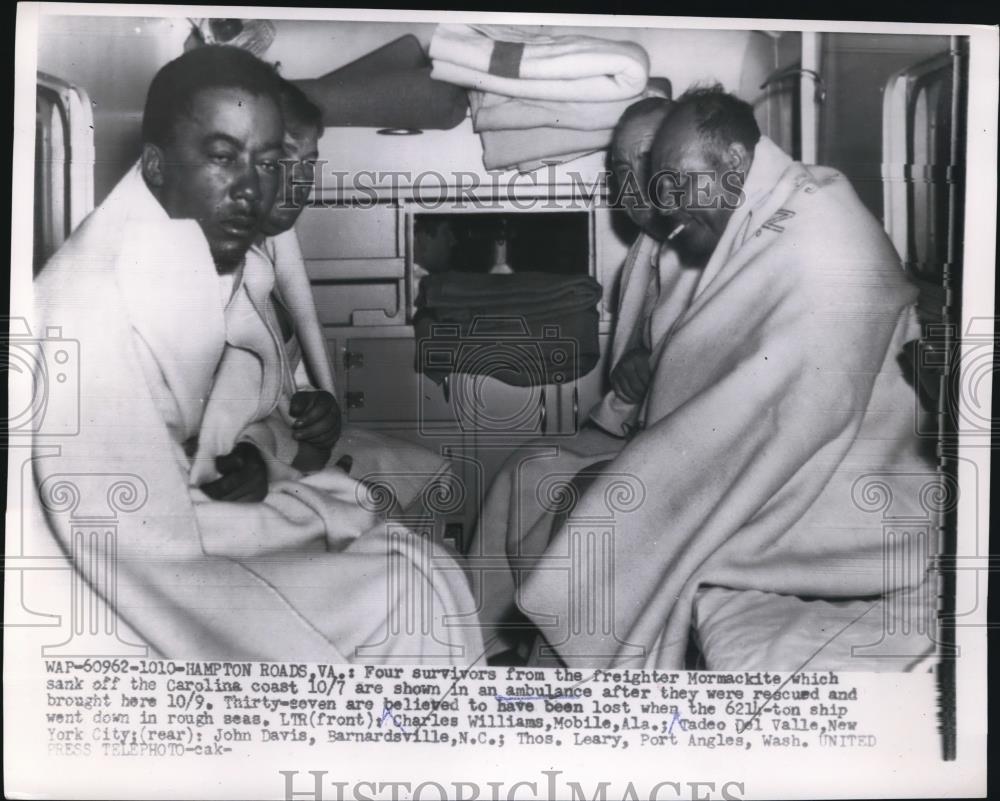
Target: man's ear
737	157
152	165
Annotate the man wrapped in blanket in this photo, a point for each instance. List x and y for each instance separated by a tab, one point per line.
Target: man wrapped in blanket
650	277
236	553
303	429
774	398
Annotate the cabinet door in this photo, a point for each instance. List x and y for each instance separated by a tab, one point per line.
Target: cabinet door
368	303
383	387
354	258
350	232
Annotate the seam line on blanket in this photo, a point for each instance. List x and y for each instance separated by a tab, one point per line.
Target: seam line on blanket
740	729
295	612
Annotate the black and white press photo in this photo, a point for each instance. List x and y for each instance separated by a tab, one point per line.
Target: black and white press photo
412	404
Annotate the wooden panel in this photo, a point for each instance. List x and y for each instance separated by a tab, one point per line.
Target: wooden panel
357	162
342	232
358	304
355	269
383	369
393	391
932	301
855	68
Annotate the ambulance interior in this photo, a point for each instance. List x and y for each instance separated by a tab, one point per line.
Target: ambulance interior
883	109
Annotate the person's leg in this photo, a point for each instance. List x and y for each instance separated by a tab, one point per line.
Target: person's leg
490	577
579	485
512	527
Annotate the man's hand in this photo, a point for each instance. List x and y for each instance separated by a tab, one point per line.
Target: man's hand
631	376
244	476
318	418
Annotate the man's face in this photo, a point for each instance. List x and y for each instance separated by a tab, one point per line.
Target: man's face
299	170
696	185
434	246
221	168
630	167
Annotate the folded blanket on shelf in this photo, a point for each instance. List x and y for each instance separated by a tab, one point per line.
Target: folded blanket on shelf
526	134
537	164
463	295
391	87
535	146
493	112
547	322
510	61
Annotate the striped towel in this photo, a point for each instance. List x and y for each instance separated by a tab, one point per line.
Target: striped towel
511	61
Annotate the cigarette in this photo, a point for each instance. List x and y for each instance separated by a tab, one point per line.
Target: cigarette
676	231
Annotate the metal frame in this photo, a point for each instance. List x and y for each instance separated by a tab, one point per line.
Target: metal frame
67	139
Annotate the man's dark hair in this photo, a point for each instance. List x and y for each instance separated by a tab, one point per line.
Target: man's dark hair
640	108
172	92
430	224
298	110
721	117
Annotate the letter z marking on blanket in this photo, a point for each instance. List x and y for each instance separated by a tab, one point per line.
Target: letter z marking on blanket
779	216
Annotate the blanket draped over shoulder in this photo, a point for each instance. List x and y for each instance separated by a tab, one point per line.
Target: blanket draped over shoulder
311	573
643	320
775	396
257	376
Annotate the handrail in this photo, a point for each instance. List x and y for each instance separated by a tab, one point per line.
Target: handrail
897	144
76	111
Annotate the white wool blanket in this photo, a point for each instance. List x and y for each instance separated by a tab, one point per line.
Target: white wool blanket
508	60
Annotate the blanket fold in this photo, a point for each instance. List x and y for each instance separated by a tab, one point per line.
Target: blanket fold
539	99
509	60
468	320
530	149
524	293
390	87
493	112
649	269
